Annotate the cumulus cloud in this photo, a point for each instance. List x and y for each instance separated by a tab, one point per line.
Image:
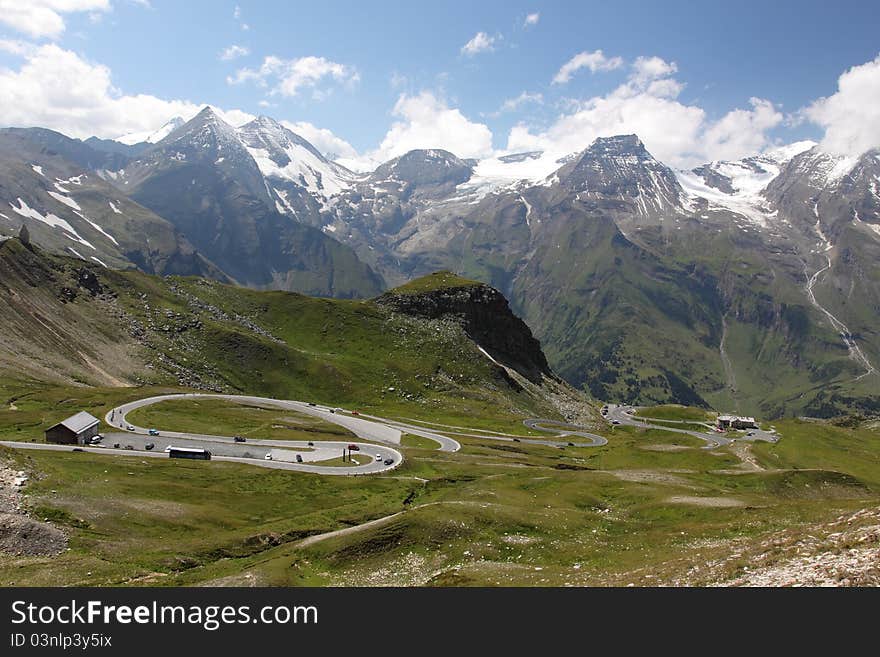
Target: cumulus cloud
425	121
15	47
234	52
741	132
651	68
43	18
323	139
647	104
851	116
481	42
532	19
595	61
513	104
55	88
287	77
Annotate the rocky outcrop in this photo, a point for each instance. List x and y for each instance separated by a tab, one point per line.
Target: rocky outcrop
486	317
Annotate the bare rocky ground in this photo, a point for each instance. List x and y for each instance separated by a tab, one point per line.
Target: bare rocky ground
844	552
21	535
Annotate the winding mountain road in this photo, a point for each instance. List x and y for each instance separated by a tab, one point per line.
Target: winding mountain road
625	415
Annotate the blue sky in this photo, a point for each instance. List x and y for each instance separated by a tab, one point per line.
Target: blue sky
358	69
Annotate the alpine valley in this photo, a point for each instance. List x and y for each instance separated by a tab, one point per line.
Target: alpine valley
751	285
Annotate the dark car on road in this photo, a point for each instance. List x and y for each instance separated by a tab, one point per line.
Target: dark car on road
149	446
299	458
239	439
353	448
389	461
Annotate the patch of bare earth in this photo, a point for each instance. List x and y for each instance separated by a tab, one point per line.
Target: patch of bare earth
664	448
21	535
845	552
717	502
652	477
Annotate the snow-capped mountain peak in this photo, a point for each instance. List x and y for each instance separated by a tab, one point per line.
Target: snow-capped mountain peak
283	155
151	137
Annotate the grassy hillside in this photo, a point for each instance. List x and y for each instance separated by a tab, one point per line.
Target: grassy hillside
648	508
75	324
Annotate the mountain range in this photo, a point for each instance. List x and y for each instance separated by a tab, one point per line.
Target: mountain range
751	286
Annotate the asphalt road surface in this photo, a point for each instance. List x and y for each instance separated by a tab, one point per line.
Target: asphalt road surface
563	429
256	450
371	468
625	415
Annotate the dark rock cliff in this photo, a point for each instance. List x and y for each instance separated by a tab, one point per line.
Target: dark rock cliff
486	317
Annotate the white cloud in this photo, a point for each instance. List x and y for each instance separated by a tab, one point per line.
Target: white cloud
595	61
234	52
742	132
16	47
287	77
324	140
398	80
647	104
426	121
481	42
236	14
513	104
43	18
652	68
532	19
57	89
851	116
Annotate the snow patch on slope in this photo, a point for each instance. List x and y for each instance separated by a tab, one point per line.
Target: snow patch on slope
96	227
744	201
66	200
50	220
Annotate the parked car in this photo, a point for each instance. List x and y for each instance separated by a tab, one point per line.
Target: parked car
268	457
77	449
299	458
239	439
353	448
311	444
355	413
115	445
389	461
516	440
312	404
615	422
95	440
378	457
149	446
571	444
129	427
128	447
153	432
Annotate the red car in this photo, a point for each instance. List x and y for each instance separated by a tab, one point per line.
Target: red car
353	448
